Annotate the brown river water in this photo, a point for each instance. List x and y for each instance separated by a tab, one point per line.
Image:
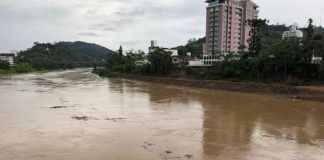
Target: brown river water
75	115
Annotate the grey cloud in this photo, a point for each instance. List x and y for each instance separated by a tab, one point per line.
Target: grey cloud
112	25
185	30
110	29
87	34
41	12
135	42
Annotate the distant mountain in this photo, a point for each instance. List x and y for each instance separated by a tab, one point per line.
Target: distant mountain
64	55
86	51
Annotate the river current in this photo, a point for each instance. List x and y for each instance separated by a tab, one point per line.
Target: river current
76	115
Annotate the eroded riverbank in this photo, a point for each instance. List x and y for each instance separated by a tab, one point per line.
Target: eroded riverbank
75	115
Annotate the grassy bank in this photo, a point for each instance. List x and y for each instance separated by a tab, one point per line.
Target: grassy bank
20	68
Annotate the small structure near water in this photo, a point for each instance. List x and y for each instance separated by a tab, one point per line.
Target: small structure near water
8	57
316	60
141	63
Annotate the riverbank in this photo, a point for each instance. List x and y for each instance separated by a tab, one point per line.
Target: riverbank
18	69
305	93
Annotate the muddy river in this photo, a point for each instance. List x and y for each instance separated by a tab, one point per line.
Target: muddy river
75	115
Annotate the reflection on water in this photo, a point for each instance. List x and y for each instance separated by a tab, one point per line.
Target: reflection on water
75	115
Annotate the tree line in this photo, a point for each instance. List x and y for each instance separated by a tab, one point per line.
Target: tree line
267	58
272	59
160	63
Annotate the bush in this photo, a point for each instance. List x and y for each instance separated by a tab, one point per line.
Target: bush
4	65
189	71
147	69
321	71
104	73
23	68
3	72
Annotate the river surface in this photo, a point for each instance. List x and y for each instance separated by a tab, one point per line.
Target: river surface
75	115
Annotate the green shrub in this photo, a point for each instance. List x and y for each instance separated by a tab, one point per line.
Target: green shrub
104	73
3	72
147	69
4	65
321	71
23	68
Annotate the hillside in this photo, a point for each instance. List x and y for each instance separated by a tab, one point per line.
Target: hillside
64	55
195	48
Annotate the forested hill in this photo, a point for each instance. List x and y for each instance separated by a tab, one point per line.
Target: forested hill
64	55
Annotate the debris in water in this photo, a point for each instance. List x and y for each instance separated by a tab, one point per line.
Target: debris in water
114	119
83	118
149	144
189	156
60	107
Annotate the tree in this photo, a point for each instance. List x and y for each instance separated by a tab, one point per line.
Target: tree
255	44
133	56
114	59
194	47
161	62
120	51
311	43
310	30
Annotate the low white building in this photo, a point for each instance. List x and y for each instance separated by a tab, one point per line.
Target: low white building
206	61
196	63
141	63
8	57
316	60
293	32
173	52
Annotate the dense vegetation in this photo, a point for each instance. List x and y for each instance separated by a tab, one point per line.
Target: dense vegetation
160	63
272	59
269	59
4	65
46	56
19	68
194	47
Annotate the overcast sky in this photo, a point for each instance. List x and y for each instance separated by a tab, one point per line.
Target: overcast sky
131	23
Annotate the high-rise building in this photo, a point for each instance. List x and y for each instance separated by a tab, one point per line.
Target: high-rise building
227	28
